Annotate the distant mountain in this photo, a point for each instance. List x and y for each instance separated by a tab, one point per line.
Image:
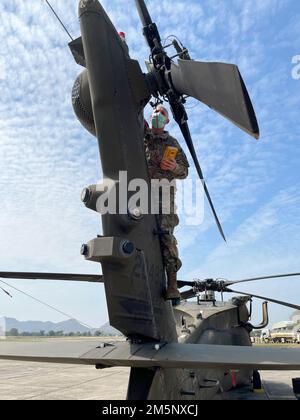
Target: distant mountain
70	326
108	330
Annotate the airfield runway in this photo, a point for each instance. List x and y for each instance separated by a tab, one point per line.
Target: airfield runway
36	381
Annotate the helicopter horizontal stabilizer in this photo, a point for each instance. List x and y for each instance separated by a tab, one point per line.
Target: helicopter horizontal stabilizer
219	86
164	356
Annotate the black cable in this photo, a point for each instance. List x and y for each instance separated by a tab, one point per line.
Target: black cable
47	305
6	292
172	36
58	18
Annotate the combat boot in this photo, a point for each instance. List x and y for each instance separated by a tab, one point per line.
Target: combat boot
173	293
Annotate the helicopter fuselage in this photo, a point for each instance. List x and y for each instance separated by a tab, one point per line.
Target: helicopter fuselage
218	323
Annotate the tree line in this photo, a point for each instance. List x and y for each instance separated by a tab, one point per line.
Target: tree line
14	332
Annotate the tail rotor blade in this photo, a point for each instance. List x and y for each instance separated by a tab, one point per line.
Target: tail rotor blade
278	302
214	212
187	135
219	86
143	12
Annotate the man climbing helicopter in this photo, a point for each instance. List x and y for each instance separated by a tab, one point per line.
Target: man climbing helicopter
166	161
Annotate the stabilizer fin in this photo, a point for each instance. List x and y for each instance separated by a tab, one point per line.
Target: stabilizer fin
219	86
153	355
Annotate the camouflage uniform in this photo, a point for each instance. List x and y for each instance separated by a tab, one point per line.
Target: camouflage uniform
155	146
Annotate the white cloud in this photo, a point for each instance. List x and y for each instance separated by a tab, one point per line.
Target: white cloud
46	158
2	69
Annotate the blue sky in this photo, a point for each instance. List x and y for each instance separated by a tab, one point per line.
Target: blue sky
46	158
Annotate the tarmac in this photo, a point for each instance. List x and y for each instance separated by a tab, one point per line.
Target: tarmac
37	381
